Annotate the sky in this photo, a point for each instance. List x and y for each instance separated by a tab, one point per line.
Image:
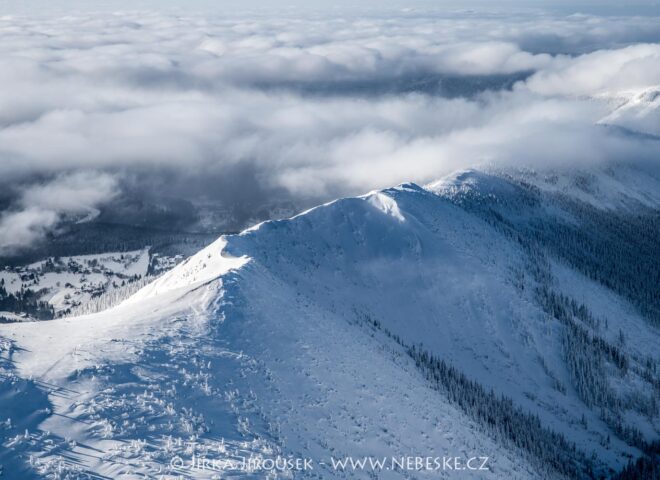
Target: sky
249	107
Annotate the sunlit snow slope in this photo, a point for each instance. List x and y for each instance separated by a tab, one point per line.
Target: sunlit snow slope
323	336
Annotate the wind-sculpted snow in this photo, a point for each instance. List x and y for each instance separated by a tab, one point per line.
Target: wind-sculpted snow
207	265
423	322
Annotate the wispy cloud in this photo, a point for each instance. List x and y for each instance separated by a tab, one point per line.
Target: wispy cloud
41	206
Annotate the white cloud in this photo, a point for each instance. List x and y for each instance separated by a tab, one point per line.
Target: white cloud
74	193
633	67
310	107
41	207
23	228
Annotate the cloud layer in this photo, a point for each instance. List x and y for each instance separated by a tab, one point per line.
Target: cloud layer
244	110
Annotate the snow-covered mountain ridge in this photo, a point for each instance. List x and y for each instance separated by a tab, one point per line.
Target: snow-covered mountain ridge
369	327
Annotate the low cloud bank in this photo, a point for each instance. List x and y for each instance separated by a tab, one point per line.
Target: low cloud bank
41	206
242	110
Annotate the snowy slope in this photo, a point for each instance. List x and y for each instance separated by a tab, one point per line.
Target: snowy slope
294	338
636	111
59	286
71	285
